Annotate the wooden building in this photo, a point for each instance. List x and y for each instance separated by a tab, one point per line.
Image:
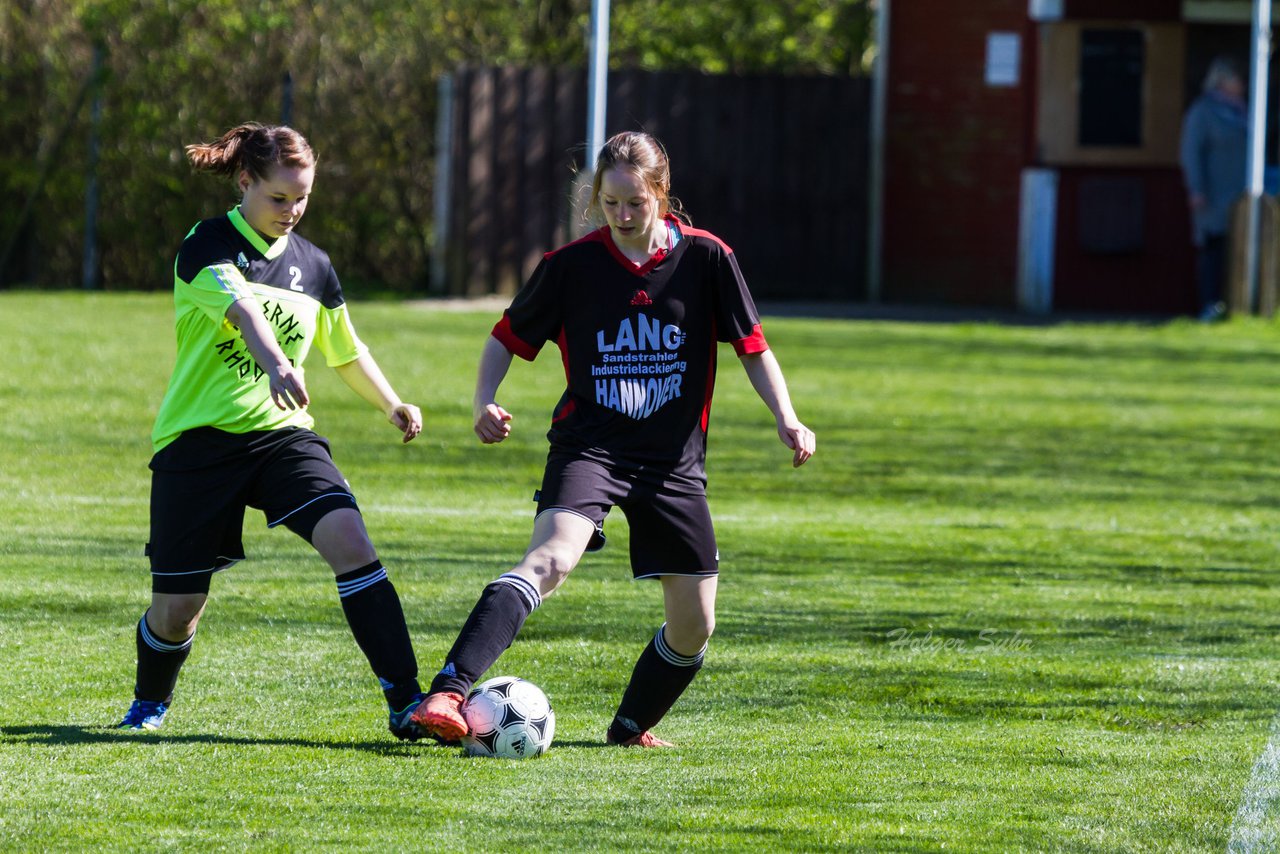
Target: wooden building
1029	150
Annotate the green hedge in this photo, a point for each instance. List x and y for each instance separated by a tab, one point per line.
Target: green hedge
364	80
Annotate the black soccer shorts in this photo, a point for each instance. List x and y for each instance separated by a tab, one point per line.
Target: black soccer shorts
202	482
671	532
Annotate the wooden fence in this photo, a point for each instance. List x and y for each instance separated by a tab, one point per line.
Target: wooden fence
776	166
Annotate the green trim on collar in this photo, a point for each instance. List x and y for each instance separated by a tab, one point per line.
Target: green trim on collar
270	250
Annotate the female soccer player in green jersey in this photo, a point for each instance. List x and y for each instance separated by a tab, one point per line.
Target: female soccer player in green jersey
233	430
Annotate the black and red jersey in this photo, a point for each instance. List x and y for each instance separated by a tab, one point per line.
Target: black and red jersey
639	347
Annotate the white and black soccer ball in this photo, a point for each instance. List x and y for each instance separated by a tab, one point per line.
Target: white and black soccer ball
508	717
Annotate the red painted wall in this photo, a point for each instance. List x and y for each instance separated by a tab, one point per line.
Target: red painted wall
1156	278
954	151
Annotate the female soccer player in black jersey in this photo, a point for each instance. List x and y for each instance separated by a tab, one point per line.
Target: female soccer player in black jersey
233	430
636	309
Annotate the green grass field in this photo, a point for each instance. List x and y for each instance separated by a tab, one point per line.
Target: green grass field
1024	598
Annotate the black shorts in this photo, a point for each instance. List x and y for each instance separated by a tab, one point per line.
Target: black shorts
202	482
671	531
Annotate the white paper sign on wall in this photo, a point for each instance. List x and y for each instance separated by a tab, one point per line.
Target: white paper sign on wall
1004	55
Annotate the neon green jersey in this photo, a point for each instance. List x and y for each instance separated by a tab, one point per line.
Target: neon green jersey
215	382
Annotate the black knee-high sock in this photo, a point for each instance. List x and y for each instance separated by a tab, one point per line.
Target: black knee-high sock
377	620
159	661
492	626
661	674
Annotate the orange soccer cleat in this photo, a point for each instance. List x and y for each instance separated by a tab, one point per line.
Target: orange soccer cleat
644	739
440	715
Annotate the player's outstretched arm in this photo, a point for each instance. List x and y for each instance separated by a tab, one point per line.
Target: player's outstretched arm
288	389
766	377
365	378
492	422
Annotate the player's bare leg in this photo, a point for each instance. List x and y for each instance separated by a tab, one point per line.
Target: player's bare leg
689	602
173	616
341	539
557	544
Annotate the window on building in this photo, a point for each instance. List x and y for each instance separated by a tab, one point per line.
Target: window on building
1111	71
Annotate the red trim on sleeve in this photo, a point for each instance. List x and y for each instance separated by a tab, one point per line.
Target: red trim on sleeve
513	342
753	343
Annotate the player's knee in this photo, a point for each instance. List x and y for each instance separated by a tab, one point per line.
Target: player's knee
341	539
702	633
554	568
174	618
551	566
691	634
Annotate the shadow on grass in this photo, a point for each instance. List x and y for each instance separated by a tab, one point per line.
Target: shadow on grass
71	734
62	736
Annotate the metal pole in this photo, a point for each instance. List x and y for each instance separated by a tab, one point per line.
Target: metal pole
1256	158
598	78
875	196
89	263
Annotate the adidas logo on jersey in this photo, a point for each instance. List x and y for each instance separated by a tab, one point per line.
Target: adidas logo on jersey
641	298
242	262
